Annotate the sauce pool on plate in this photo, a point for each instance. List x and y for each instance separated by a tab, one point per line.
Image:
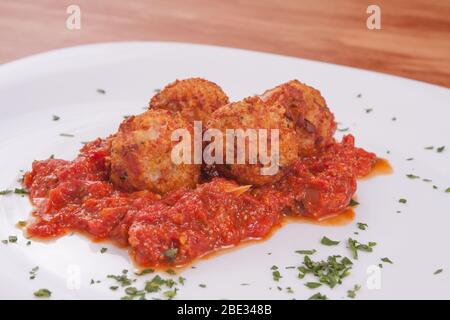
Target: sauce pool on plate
184	225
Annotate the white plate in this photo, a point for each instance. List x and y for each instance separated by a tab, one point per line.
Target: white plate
65	83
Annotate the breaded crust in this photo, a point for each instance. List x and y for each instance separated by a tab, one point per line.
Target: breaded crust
253	113
141	154
308	110
194	98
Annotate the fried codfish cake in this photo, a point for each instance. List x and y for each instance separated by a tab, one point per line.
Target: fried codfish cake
253	113
141	154
194	98
308	110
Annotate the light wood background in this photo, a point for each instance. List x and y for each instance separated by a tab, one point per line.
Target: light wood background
414	41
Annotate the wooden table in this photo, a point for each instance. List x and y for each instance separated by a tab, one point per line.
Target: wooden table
414	41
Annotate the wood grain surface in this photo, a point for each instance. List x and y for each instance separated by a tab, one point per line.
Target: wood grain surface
414	40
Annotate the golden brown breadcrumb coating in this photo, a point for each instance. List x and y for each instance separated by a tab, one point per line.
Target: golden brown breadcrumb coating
253	113
141	154
305	106
194	98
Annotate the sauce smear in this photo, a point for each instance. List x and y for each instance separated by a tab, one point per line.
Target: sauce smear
381	167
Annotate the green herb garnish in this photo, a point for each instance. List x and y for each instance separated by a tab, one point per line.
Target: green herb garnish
318	296
362	226
43	293
276	275
131	291
171	253
387	260
20	191
170	283
306	251
356	246
352	293
145	271
155	284
312	285
122	279
329	272
328	242
33	272
170	294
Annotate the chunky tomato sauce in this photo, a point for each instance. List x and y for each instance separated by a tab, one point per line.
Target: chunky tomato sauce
184	225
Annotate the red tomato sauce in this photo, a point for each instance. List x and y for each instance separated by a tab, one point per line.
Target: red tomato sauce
184	225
